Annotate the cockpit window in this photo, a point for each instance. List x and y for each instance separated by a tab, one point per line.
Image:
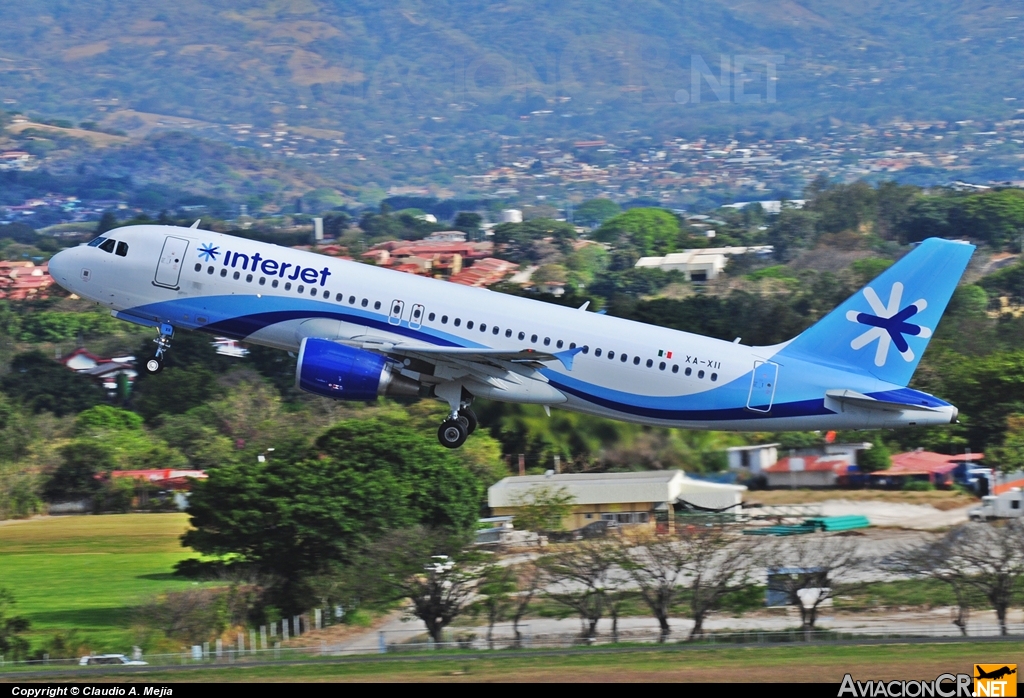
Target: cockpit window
108	245
96	242
122	249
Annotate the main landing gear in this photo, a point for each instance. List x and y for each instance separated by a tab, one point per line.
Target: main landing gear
453	431
155	364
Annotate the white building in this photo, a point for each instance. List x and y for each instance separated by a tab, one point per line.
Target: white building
701	264
620	498
753	459
511	215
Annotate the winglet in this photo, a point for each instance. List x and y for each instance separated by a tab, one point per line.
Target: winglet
567	356
584	306
195	225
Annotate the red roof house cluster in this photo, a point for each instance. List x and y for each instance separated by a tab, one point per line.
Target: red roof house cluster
24	280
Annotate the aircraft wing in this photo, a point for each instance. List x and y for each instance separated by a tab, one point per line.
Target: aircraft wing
855	399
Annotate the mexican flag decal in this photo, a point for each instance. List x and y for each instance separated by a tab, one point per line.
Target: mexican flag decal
665	354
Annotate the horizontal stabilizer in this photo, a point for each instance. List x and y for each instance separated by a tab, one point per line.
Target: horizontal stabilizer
855	399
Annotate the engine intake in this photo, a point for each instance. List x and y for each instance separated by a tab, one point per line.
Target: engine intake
344	373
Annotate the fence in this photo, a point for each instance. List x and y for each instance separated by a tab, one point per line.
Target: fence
393	642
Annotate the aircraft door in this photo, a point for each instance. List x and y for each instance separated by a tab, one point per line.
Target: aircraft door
762	386
416	317
172	257
397	308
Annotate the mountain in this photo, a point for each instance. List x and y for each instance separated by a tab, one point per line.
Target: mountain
444	78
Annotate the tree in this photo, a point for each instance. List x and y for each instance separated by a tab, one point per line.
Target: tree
580	578
876	458
529	576
649	230
294	517
813	569
12	645
1009	456
594	212
495	589
42	384
108	221
791	230
431	568
992	560
543	509
936	559
706	560
76	476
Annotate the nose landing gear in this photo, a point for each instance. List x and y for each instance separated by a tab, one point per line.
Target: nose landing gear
155	364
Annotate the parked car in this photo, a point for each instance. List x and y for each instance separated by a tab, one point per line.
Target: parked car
115	659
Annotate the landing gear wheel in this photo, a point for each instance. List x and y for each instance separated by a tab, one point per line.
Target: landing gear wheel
468	420
452	433
154	365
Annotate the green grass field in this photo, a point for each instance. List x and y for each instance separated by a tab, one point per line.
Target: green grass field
747	664
89	573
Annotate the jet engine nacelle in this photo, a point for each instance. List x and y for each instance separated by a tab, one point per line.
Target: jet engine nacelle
344	373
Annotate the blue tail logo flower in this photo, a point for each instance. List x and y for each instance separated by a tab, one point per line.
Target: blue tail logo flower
208	252
888	324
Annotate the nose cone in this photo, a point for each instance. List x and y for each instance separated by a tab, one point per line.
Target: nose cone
61	265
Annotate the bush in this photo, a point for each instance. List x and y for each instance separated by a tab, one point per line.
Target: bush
918	486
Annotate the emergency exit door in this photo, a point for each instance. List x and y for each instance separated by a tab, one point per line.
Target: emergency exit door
172	257
762	386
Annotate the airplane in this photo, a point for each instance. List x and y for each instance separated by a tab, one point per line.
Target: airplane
360	331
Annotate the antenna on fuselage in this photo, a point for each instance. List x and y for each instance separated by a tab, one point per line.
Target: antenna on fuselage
584	306
195	225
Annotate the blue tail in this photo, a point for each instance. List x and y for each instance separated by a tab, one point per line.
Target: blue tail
884	328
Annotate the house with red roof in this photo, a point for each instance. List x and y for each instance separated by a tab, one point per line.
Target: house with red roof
937	468
807	471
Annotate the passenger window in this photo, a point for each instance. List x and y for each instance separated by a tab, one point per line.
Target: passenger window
572	345
650	362
533	339
469	325
444	319
338	298
376	306
547	341
431	317
675	368
287	285
248	278
495	330
624	358
351	300
522	336
263	281
235	277
122	249
661	366
688	371
416	313
611	355
108	245
508	333
301	289
558	344
597	352
223	273
458	321
586	349
700	374
209	269
274	283
365	303
636	360
199	267
312	292
714	377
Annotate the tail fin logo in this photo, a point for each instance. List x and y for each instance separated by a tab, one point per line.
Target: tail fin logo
888	324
